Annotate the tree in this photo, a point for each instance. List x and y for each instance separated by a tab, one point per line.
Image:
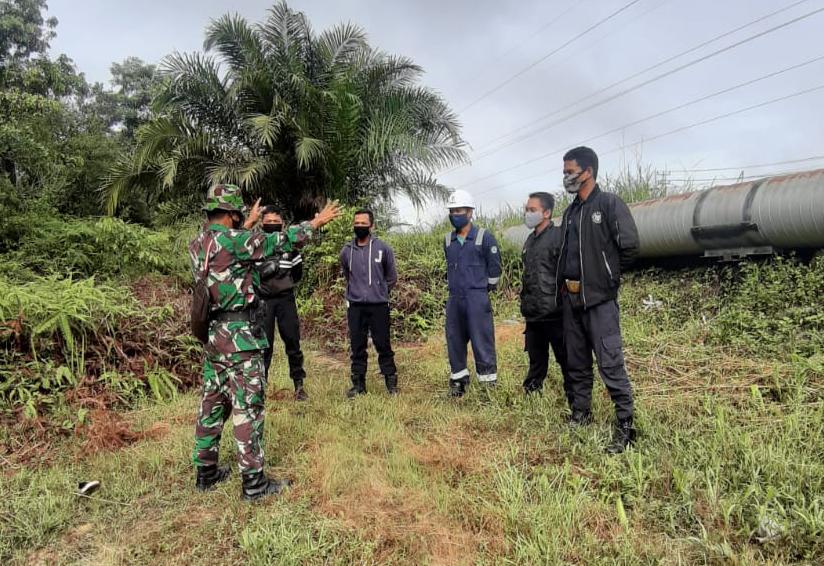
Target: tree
296	118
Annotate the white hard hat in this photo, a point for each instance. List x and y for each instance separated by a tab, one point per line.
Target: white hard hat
460	199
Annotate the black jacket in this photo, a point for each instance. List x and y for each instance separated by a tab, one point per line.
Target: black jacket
284	271
538	285
608	245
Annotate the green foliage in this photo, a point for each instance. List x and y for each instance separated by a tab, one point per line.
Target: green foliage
104	247
773	307
292	116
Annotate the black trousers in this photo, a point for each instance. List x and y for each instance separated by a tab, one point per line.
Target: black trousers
365	319
283	312
596	329
538	338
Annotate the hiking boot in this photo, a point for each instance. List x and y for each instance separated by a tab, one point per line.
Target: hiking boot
392	384
622	436
358	386
257	485
456	389
209	476
579	418
300	392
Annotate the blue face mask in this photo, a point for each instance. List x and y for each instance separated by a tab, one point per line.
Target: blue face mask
459	220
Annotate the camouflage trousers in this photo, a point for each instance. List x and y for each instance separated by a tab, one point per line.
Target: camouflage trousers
232	384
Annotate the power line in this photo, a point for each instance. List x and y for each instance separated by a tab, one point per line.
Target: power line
680	129
548	55
751	166
694	62
721	116
647	82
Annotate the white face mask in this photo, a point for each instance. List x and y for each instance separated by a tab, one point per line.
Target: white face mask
571	182
532	219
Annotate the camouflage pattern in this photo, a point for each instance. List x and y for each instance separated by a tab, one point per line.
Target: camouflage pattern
232	278
233	376
224	197
233	384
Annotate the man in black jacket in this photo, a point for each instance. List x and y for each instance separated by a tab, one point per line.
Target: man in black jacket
278	277
539	304
600	240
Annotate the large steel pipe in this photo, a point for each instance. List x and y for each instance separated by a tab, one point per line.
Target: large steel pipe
756	217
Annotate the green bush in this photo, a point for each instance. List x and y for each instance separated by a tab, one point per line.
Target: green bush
102	247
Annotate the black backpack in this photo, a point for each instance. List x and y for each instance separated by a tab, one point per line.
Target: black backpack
200	304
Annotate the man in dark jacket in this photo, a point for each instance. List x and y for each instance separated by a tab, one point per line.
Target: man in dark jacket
600	240
368	264
539	304
278	276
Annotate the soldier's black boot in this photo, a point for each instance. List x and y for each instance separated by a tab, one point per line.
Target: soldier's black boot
300	392
358	386
457	388
257	485
579	418
392	384
622	436
209	476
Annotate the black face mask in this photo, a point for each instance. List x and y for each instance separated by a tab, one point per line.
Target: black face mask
361	232
271	228
237	222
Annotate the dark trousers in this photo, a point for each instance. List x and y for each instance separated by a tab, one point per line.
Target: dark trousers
539	337
469	319
365	319
283	312
596	329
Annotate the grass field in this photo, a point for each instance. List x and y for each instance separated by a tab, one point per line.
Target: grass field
728	469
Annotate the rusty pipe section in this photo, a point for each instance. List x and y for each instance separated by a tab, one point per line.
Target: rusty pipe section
754	217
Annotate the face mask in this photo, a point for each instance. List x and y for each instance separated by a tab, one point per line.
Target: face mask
532	219
459	220
361	232
572	184
237	222
271	228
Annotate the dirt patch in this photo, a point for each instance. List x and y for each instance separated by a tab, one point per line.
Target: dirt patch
108	431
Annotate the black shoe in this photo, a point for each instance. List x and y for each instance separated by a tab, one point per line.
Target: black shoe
358	387
531	387
622	436
257	485
456	389
300	392
579	418
392	384
209	476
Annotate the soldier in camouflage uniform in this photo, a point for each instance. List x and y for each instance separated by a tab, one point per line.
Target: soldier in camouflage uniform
233	374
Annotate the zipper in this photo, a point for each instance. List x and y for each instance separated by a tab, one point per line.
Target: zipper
560	255
581	254
603	253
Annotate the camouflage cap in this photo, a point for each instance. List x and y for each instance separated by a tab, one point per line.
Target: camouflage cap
224	197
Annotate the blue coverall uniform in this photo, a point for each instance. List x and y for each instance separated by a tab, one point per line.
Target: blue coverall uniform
473	267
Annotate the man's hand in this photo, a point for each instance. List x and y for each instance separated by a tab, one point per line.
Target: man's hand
325	216
253	217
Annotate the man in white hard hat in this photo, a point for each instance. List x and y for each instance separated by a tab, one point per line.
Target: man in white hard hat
473	270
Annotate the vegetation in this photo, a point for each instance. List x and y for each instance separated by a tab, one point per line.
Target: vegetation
296	118
98	373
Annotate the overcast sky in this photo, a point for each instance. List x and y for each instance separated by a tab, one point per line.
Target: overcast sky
470	48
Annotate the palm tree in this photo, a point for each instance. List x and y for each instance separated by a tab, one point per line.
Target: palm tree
295	118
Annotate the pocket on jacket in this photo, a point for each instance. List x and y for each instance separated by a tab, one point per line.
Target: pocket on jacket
611	352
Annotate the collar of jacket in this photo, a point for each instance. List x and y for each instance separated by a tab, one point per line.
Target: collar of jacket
596	190
473	231
218	228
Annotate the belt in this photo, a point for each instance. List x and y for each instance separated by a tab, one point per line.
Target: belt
572	286
233	316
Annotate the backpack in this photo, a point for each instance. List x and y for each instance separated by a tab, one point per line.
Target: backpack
200	304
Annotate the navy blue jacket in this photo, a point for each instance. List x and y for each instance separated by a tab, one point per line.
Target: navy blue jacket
475	265
369	271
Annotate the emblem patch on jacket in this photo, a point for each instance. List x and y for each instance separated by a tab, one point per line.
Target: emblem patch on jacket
596	216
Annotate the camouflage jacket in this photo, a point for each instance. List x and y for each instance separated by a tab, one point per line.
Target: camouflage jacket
232	278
